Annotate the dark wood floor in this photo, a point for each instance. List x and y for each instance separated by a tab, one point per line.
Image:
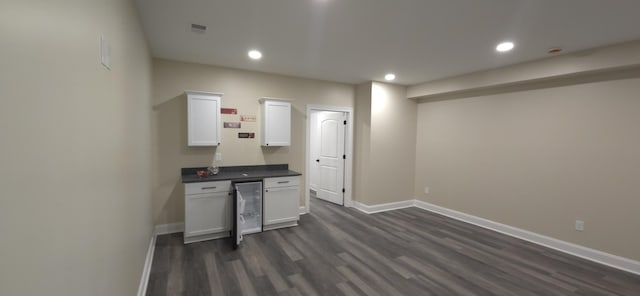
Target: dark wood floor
341	251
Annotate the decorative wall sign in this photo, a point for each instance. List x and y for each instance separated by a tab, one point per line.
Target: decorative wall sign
248	118
232	125
228	111
246	135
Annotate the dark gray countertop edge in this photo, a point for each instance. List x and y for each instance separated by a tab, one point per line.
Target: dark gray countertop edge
224	169
235	173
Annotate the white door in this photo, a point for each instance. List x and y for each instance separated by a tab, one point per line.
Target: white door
330	157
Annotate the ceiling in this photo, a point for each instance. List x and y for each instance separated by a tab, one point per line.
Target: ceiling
354	41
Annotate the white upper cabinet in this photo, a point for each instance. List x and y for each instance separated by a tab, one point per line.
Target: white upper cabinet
276	122
203	110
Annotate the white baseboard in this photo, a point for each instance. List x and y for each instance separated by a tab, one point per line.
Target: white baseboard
146	270
383	207
349	203
611	260
607	259
158	230
169	228
303	210
604	258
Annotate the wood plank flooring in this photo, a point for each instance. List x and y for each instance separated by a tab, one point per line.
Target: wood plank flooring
341	251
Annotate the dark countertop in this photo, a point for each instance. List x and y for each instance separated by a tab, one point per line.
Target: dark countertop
237	173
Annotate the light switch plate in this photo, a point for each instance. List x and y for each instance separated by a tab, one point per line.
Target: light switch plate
105	53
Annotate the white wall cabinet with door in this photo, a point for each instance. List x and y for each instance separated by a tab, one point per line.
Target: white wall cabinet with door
207	210
203	109
281	198
276	122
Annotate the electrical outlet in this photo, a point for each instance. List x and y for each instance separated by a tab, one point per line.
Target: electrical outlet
426	190
218	156
579	225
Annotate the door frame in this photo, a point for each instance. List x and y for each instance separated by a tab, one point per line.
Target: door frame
348	150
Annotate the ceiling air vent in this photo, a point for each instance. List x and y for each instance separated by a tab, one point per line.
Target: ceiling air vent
198	28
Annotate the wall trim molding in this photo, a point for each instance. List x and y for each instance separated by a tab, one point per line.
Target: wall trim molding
146	270
579	65
372	209
594	255
303	210
169	228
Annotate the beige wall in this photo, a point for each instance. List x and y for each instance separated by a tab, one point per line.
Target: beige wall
241	89
539	160
393	144
75	208
362	142
385	144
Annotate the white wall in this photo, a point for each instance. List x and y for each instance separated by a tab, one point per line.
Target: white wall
75	210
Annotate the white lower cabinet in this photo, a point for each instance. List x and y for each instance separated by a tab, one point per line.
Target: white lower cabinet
208	207
281	202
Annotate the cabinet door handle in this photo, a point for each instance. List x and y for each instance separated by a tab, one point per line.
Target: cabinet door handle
205	188
277	189
283	182
317	160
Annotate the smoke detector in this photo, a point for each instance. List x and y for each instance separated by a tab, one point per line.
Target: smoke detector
198	28
554	50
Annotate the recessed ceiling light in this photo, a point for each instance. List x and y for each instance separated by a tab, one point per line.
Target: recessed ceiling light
505	46
255	55
390	76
